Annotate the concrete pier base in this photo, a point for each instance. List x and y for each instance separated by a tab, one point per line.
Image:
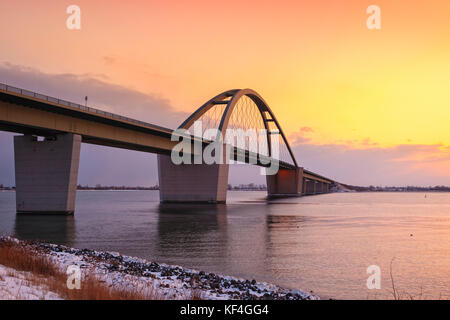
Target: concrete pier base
46	173
286	183
310	187
196	183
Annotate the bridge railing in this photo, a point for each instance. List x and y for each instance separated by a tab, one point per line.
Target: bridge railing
36	95
39	96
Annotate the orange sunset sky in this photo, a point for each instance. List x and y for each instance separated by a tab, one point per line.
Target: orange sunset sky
364	102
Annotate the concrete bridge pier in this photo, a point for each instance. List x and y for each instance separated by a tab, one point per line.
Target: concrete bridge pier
285	183
309	187
46	173
198	183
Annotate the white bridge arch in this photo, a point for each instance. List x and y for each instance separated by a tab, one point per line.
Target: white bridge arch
246	109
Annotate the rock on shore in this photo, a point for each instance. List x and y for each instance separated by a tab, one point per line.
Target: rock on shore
171	282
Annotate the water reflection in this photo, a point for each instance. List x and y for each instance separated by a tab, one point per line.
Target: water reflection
55	229
284	223
285	241
193	222
323	243
191	231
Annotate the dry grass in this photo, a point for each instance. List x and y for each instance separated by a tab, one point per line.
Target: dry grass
404	295
19	258
394	292
397	294
197	295
44	274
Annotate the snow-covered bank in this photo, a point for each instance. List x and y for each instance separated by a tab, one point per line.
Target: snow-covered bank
15	285
165	281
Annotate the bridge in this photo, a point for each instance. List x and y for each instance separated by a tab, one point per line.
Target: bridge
46	171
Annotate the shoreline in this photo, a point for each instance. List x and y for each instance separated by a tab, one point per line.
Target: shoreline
171	281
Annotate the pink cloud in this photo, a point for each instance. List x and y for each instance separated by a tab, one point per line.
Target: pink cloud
300	136
400	165
356	162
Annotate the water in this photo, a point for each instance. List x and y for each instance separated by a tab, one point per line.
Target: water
322	243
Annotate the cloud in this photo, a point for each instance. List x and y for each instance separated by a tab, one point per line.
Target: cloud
109	60
417	164
98	164
101	94
306	129
365	162
353	162
300	136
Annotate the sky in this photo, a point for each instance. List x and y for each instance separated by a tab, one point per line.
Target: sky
365	107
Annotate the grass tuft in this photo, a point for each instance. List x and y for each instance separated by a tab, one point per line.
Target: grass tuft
43	273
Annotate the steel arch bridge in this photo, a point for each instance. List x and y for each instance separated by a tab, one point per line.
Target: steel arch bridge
237	109
245	109
53	162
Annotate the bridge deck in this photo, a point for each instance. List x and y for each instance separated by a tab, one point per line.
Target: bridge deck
27	112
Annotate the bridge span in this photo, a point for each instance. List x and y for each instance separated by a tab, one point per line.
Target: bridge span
46	170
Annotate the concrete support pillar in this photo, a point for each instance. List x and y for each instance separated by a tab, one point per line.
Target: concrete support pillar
286	182
46	173
206	183
309	187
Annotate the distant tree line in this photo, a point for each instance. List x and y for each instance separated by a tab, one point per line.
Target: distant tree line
397	189
242	187
248	187
100	187
263	187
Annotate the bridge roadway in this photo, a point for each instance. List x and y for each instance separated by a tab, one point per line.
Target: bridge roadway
30	113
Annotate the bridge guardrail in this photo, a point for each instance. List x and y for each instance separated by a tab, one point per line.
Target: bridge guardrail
32	94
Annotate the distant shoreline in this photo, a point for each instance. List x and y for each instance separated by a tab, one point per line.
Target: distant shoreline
349	191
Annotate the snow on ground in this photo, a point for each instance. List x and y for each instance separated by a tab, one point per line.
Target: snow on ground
14	285
161	280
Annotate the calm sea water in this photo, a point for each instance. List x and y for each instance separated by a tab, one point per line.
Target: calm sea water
322	243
